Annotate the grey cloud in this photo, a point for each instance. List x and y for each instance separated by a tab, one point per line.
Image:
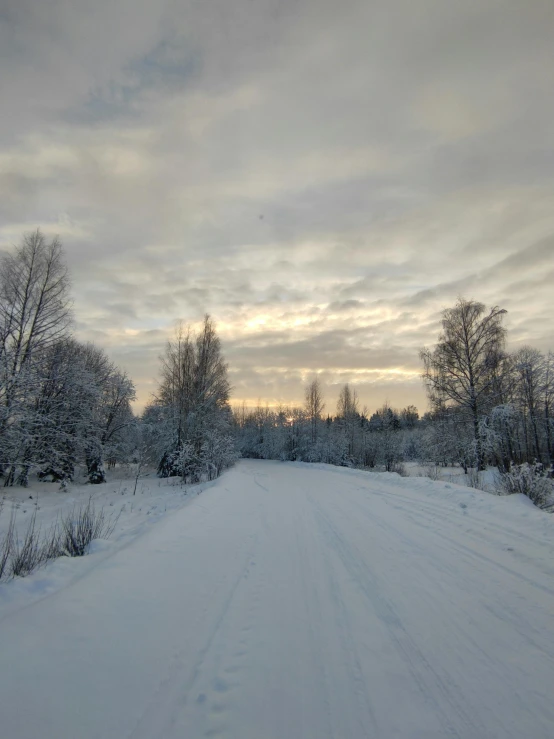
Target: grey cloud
323	180
541	253
340	348
344	305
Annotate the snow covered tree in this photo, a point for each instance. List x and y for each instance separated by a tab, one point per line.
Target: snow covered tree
111	411
35	312
409	417
62	422
314	406
116	417
60	400
79	405
465	368
192	404
501	436
530	371
385	424
548	402
349	420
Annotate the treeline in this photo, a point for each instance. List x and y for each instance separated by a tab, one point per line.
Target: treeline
351	437
488	407
64	406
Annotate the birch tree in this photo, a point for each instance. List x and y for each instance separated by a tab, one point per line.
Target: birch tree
35	312
463	369
192	404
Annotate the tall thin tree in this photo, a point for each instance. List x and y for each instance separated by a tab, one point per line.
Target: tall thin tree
463	369
314	405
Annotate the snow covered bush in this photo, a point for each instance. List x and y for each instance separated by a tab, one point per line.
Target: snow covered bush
6	545
80	527
474	478
70	537
527	479
433	472
28	553
399	468
20	557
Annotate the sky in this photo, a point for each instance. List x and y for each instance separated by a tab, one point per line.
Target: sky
322	178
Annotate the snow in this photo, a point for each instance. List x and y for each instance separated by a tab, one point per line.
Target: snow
153	499
297	601
487	479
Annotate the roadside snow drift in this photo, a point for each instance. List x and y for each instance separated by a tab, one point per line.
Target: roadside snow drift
297	602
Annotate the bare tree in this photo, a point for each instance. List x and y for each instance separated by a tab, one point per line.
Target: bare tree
212	387
35	312
548	402
347	404
116	415
464	369
314	405
349	417
529	367
35	309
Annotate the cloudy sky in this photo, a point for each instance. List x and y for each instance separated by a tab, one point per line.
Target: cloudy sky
321	177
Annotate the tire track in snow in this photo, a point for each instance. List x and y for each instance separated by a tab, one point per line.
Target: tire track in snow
465	554
446	512
309	550
367	725
425	676
372	524
436	573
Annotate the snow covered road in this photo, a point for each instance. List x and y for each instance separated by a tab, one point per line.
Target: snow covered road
295	601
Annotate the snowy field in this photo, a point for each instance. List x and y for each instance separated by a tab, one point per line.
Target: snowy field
133	510
287	601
